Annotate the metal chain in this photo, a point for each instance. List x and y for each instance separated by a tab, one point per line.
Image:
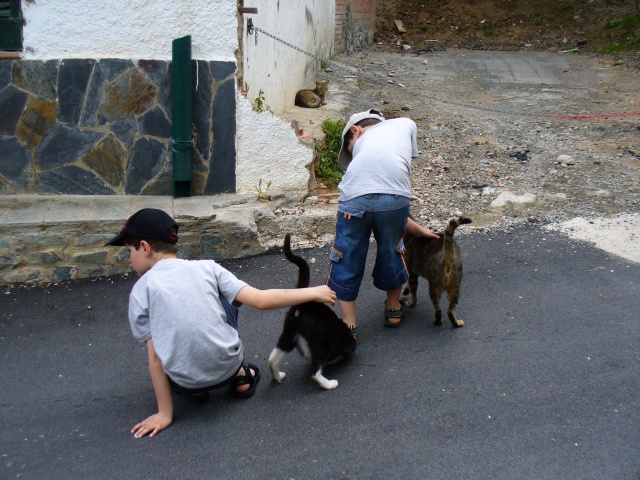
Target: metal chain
374	79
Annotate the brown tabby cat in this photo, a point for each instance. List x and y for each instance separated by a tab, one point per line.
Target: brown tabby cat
439	261
313	98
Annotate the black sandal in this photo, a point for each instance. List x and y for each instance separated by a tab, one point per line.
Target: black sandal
247	379
395	314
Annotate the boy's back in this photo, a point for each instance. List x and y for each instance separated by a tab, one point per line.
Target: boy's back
382	160
177	304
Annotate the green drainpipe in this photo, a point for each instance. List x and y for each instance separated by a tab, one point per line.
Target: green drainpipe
182	141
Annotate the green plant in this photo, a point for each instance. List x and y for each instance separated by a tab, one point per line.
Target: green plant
611	48
567	5
425	27
260	103
487	30
613	23
628	34
537	21
263	194
328	150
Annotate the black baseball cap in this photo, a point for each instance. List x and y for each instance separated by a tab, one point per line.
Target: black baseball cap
149	224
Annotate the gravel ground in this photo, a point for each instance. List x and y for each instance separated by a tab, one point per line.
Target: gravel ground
504	168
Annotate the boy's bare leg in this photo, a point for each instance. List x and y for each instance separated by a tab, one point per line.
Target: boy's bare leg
348	312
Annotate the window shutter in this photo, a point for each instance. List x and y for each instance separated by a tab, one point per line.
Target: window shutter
11	22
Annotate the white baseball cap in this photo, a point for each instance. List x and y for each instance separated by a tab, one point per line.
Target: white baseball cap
344	158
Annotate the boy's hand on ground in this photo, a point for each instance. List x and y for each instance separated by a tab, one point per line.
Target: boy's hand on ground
151	425
324	294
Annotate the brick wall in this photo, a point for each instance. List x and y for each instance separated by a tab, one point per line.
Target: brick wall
355	23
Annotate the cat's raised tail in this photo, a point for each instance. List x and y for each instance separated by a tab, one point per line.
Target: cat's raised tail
449	251
304	273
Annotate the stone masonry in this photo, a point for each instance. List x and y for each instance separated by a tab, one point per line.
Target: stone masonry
103	127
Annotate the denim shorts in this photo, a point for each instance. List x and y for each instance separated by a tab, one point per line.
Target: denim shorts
386	216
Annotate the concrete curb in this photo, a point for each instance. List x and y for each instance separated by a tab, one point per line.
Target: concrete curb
50	239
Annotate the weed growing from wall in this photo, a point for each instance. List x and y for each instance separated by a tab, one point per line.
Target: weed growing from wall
328	150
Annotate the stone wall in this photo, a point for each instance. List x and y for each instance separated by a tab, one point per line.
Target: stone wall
58	238
103	127
355	24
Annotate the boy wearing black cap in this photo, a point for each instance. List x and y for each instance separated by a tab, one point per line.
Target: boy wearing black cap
374	197
183	310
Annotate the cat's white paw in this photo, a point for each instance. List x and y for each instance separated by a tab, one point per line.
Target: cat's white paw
277	375
331	384
325	382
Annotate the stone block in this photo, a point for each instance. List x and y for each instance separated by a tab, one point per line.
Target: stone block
214	247
155	69
47	258
32	76
89	114
93	239
37	121
122	256
125	130
8	261
16	166
96	258
64	273
222	168
64	145
72	179
5	73
155	123
201	112
36	241
112	67
129	94
147	159
12	103
25	275
107	159
73	81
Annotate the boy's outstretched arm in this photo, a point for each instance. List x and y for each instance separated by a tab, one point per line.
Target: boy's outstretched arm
164	417
277	297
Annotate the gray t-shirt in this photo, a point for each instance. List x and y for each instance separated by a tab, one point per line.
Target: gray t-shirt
382	160
177	303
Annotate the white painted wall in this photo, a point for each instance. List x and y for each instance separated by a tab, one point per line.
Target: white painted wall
276	69
268	148
137	29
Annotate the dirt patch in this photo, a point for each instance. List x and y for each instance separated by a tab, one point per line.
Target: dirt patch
483	80
488	145
592	26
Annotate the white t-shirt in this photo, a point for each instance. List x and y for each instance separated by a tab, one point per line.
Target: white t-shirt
177	303
382	160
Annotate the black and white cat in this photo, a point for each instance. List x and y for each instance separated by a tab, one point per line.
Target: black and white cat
314	329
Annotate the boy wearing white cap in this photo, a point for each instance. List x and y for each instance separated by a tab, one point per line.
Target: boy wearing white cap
374	197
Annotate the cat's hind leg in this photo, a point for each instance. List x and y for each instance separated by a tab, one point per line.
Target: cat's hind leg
411	287
323	381
274	362
435	294
453	297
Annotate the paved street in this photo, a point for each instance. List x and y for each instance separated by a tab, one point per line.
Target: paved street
541	382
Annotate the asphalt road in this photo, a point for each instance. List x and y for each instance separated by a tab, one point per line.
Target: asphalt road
541	382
